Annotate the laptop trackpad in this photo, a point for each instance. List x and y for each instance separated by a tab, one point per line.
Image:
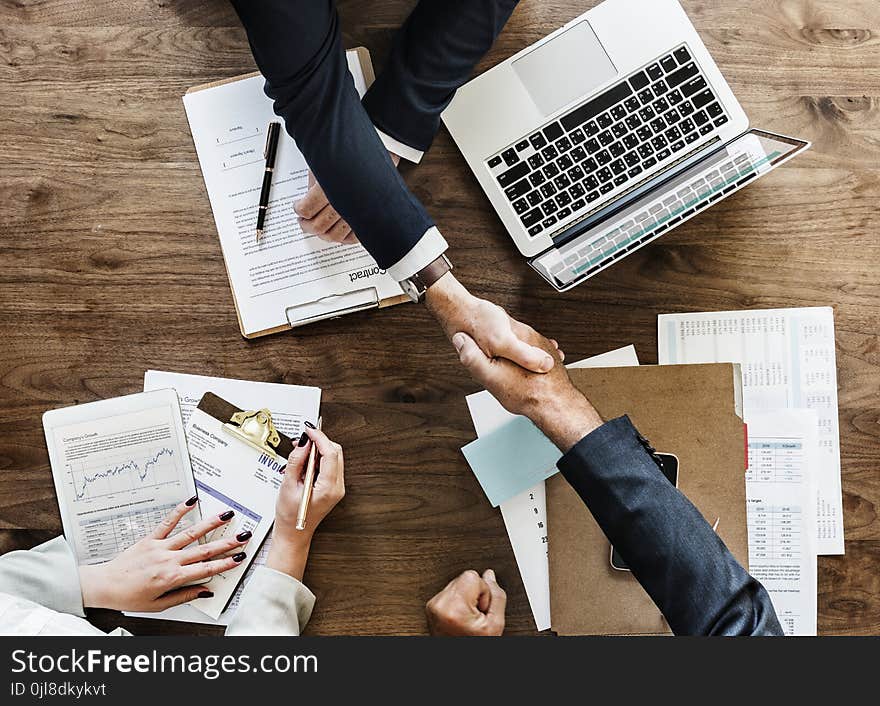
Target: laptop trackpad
565	69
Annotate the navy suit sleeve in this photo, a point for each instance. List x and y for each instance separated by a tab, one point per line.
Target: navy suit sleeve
297	46
682	564
433	54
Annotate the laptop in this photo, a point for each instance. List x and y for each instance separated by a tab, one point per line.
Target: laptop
606	134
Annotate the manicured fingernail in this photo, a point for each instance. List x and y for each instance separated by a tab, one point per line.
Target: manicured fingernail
458	341
206	594
303	440
228	515
243	536
238	558
310	425
192	501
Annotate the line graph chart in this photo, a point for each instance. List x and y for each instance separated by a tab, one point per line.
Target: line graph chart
129	474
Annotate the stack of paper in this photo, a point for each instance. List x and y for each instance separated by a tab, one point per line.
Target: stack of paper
790	404
290	406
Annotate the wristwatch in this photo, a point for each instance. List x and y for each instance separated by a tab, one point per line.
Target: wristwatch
416	286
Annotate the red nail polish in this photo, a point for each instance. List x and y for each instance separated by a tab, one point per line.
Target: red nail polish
238	558
228	515
192	501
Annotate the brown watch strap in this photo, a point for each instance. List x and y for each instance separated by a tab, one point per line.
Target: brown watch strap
432	272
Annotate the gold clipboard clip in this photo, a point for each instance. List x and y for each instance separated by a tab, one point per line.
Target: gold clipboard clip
255	429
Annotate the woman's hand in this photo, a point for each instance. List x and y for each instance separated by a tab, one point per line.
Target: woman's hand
153	574
290	546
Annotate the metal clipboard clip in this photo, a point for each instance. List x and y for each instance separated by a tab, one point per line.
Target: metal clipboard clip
255	429
332	306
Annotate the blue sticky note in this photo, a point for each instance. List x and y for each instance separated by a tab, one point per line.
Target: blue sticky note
511	459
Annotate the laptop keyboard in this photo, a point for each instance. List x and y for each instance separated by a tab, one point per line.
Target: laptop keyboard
646	120
591	254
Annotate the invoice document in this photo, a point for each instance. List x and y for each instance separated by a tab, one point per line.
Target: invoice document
780	504
525	516
119	466
286	271
788	361
290	406
232	475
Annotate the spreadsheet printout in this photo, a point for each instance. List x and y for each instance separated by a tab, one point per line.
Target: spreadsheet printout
788	361
780	492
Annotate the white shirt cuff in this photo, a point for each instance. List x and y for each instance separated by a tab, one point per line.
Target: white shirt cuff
430	246
401	150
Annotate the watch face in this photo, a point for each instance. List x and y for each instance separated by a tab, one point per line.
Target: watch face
410	290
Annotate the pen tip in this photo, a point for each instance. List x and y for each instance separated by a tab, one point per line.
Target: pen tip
259	233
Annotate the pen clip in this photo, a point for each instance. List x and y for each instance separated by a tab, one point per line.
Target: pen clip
268	137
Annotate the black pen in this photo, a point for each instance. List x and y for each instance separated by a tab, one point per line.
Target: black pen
272	133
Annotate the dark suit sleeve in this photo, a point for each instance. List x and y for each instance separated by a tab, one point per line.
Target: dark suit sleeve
433	54
297	46
672	551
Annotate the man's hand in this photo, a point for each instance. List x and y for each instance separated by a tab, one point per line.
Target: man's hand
550	400
469	605
496	333
318	217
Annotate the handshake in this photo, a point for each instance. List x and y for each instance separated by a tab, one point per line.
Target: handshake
524	371
519	366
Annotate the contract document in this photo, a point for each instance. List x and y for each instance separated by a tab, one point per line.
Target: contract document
287	277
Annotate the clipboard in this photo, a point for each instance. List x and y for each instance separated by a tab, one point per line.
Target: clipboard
246	456
254	428
328	307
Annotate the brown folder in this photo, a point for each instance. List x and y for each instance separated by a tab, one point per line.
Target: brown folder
692	411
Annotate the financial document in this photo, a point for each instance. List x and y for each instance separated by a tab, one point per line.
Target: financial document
287	269
290	406
525	516
232	475
780	503
788	361
119	466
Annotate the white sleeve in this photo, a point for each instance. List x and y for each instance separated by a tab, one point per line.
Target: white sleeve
47	575
403	151
431	246
272	603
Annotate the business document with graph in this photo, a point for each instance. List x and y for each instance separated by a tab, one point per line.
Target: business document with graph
119	467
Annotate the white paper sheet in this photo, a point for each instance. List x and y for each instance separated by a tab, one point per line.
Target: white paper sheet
120	466
286	268
525	516
780	492
788	361
289	404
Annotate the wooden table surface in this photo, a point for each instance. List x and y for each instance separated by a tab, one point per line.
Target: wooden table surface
110	264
